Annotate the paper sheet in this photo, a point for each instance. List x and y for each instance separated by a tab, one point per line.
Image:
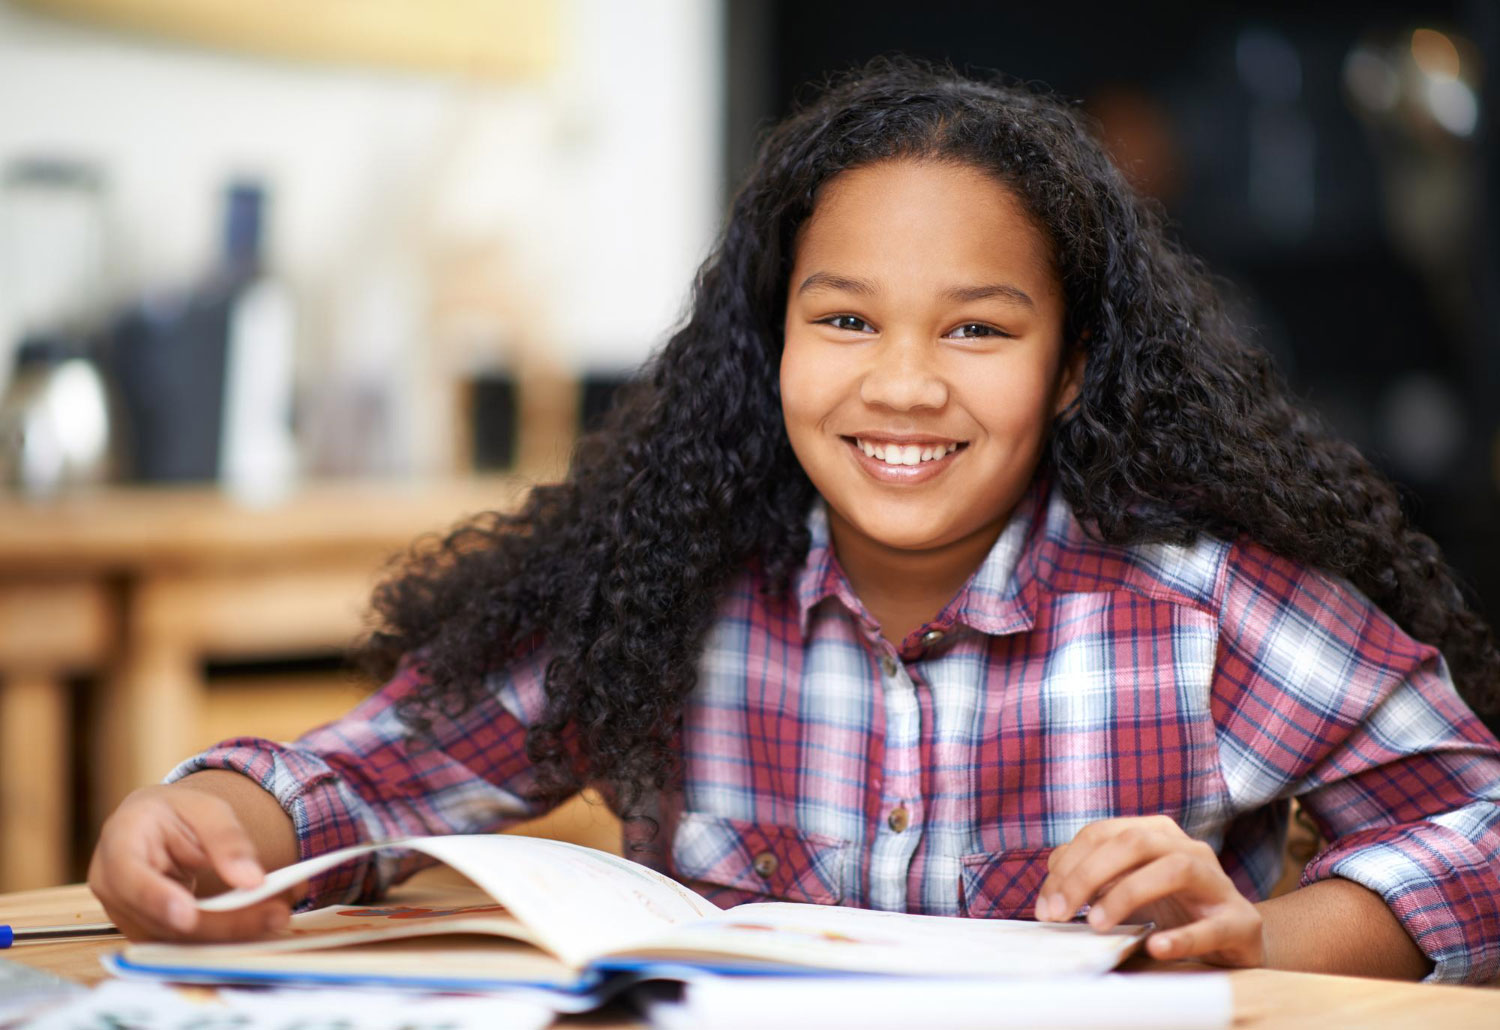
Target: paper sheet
1170	1001
117	1005
23	989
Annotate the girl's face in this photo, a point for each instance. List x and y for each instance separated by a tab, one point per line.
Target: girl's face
924	351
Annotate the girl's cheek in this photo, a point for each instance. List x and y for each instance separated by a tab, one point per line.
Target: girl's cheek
806	385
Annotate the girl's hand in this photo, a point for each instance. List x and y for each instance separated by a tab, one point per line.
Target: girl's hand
1145	869
161	844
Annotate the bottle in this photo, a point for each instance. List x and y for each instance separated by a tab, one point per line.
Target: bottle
257	450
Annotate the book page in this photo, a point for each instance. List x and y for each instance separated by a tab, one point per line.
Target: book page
868	941
434	910
1160	1001
575	901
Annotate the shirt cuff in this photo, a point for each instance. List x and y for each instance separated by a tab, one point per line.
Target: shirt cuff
1438	880
324	814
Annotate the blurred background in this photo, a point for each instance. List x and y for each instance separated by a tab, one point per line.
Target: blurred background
285	285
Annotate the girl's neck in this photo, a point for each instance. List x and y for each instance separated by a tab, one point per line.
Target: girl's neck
903	589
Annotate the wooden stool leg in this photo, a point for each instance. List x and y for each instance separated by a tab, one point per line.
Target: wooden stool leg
154	714
35	820
154	703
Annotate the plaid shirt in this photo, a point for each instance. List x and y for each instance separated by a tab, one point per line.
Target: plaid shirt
1069	681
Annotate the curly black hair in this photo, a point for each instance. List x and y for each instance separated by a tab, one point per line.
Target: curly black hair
1181	427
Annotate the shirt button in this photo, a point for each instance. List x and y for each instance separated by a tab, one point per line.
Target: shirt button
899	819
888	665
765	865
931	637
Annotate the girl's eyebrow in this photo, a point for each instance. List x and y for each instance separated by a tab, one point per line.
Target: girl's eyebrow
959	294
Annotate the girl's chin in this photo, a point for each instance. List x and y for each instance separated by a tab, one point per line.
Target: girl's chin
905	534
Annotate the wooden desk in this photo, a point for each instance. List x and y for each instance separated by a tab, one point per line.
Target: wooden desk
143	586
1263	999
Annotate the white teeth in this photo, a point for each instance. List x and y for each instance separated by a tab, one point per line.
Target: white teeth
908	454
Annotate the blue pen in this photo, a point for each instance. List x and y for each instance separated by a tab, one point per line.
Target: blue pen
53	934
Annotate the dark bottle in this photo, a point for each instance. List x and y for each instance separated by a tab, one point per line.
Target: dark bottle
205	377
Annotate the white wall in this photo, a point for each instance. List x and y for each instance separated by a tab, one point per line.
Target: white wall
600	181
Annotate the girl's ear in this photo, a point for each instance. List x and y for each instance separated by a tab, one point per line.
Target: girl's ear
1070	379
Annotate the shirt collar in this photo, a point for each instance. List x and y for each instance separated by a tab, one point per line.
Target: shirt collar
997	599
821	577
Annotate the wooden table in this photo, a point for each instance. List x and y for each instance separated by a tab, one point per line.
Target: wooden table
1263	999
142	586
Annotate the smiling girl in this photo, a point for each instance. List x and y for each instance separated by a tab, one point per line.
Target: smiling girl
956	556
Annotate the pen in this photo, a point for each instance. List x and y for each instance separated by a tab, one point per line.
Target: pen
50	934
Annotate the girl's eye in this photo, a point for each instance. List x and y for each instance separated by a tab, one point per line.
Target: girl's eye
974	330
853	322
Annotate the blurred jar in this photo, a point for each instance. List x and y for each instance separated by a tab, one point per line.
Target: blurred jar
55	410
54	421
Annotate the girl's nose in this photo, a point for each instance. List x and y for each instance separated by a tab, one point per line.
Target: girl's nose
902	376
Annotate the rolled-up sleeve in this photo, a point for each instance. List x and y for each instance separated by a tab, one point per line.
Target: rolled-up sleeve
370	776
1409	799
1439	876
1322	697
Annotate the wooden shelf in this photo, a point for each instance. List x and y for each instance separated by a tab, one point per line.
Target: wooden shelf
151	528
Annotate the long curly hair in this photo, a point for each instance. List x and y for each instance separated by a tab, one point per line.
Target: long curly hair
1181	427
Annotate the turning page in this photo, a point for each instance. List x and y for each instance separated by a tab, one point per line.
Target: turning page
573	901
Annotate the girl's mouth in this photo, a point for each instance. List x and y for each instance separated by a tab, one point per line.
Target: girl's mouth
890	461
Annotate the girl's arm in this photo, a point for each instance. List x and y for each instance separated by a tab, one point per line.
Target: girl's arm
1317	694
249	805
1337	926
372	775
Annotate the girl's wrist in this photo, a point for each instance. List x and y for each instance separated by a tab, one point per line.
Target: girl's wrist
1268	940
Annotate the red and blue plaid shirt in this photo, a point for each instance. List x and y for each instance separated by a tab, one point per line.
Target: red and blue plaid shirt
1068	681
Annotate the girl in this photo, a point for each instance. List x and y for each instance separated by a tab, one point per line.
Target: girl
956	556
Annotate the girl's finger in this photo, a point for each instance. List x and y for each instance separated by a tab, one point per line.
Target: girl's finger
220	837
1063	859
155	906
1224	938
1080	881
162	909
1177	872
259	920
167	910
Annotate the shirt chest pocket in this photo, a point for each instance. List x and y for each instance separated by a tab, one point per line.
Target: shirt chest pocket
1002	885
733	860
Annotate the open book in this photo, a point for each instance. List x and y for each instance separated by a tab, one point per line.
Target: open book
543	913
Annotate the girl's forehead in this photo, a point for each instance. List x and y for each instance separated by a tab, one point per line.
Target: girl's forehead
924	213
